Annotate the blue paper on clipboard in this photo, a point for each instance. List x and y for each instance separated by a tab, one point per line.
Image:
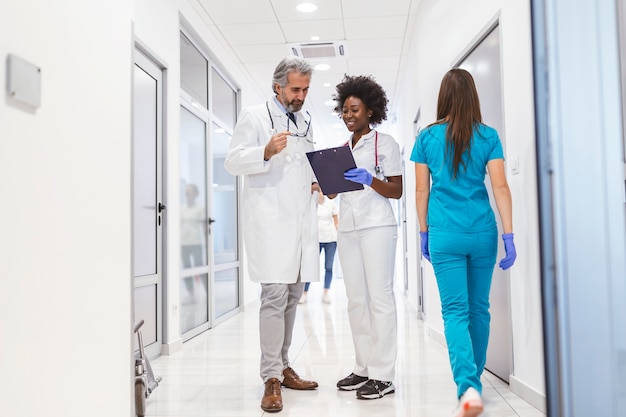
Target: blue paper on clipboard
329	166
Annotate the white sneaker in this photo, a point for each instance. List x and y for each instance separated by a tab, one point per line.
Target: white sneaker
302	299
470	404
326	299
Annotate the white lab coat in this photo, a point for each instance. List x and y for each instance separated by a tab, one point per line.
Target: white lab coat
279	214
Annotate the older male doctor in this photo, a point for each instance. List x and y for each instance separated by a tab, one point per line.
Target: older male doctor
279	218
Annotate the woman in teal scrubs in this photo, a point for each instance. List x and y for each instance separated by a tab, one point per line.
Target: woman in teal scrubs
458	227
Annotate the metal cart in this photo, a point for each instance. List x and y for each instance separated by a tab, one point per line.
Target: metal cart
145	382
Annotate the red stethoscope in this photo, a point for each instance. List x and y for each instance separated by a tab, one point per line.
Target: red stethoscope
377	167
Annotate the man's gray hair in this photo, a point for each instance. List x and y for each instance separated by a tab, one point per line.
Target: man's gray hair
287	65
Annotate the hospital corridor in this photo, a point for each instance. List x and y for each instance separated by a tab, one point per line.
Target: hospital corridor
159	197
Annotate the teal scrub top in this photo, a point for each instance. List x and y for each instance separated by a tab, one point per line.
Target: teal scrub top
460	204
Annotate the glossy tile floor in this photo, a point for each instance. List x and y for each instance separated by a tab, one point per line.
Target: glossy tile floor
216	374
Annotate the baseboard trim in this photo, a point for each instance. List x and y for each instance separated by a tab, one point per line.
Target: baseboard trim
437	336
534	397
172	347
251	304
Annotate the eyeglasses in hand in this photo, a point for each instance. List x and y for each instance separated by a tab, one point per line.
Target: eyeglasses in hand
298	134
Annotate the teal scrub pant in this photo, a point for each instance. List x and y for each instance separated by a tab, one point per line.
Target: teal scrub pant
463	264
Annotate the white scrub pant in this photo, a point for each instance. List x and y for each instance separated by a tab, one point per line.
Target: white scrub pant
276	318
367	259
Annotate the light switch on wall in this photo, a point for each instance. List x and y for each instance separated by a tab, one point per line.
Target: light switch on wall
515	165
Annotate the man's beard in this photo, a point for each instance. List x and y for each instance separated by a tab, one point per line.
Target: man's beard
292	106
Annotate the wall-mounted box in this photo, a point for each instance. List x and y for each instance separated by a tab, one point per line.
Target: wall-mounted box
23	81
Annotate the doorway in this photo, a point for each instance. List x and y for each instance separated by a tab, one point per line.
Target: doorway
148	210
483	62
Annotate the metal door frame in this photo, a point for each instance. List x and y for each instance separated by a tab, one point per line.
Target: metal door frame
142	59
214	119
420	266
189	104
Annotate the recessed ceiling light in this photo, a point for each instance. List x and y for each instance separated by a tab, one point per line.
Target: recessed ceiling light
315	38
326	84
337	125
322	67
330	102
306	7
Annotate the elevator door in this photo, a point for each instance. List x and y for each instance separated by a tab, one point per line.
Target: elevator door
148	210
483	62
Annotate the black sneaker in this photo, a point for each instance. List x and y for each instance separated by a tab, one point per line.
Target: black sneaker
373	389
352	382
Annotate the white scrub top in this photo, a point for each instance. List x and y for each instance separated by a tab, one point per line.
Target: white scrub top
325	221
366	208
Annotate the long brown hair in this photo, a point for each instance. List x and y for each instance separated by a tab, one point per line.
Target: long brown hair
459	106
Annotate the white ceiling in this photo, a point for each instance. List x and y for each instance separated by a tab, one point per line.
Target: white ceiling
375	34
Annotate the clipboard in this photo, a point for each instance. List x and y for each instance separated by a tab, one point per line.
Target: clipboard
329	165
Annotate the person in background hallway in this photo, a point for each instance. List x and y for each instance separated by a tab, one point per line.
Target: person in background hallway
192	232
367	237
327	227
458	230
279	219
192	229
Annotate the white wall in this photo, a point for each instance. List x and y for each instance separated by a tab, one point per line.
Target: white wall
443	31
65	169
65	294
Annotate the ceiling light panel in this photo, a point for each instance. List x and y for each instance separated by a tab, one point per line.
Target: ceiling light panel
286	10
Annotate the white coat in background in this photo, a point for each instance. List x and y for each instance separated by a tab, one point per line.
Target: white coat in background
279	212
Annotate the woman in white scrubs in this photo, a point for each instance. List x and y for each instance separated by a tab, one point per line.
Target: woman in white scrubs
367	237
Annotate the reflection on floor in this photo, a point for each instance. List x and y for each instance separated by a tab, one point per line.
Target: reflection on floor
216	374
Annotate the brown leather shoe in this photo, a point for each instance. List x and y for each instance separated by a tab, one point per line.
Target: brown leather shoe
293	381
272	401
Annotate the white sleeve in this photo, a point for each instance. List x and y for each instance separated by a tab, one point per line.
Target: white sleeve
247	146
389	156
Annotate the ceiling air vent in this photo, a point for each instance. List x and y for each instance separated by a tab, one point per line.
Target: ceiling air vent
318	50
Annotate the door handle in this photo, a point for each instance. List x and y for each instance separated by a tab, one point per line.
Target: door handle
210	221
161	207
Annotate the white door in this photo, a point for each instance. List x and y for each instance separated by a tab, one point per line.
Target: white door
483	62
194	221
148	211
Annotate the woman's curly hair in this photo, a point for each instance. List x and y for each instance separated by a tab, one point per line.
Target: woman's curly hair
368	91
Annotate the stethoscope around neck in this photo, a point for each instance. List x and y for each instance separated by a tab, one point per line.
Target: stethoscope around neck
273	129
377	167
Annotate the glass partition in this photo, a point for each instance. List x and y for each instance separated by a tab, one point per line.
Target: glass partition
223	98
209	238
193	221
193	72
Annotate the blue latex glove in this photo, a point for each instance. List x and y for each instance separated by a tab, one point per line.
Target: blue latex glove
509	248
424	245
360	175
